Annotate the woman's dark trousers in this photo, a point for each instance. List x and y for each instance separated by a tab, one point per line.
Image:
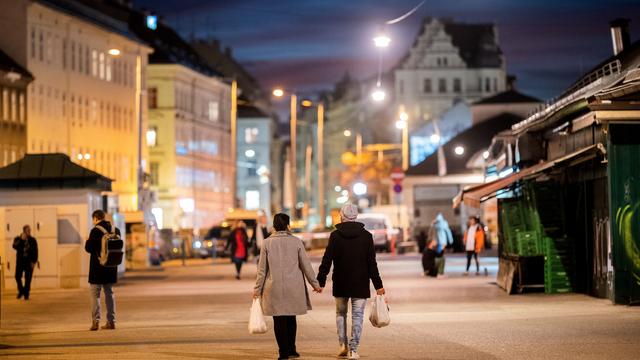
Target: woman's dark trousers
285	328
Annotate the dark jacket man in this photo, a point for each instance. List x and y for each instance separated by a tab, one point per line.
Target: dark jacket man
99	274
353	256
26	258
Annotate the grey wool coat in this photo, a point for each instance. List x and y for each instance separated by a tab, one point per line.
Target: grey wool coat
282	269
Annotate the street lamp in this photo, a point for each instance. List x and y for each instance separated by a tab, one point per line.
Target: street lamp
359	188
403	124
382	41
278	92
435	138
347	133
378	94
459	150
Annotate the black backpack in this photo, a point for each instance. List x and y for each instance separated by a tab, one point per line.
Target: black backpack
111	253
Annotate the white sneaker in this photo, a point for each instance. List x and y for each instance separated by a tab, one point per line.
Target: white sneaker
344	351
354	355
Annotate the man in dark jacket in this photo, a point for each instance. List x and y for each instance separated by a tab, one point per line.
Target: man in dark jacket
101	277
26	259
353	256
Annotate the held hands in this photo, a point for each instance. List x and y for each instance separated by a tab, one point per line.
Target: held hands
318	290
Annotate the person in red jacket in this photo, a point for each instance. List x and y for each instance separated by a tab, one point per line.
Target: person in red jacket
473	242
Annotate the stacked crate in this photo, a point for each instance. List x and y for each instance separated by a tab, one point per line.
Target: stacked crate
558	265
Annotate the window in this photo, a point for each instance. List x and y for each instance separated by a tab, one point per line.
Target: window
426	86
5	104
442	86
152	136
495	84
154	173
444	61
487	84
64	53
250	135
41	46
80	59
214	111
23	113
152	97
33	43
438	61
94	63
87	60
14	106
252	200
73	55
101	72
108	69
457	86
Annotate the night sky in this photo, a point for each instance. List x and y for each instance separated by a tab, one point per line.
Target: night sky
309	44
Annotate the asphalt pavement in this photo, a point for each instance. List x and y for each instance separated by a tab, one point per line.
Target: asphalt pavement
201	312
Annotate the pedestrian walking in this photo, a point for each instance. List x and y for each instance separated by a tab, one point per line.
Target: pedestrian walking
473	242
101	278
353	256
441	233
238	244
281	286
26	248
260	232
421	239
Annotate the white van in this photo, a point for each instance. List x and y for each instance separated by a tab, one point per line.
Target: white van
379	225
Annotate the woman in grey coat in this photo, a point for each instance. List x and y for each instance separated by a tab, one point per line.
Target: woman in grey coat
281	285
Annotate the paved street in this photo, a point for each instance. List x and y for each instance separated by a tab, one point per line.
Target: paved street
200	311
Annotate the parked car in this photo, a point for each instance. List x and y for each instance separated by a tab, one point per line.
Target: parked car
216	240
379	225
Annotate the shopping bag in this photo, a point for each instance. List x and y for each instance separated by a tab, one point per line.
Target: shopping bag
379	316
257	325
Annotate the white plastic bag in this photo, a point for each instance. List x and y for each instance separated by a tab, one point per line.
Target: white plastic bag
257	325
379	316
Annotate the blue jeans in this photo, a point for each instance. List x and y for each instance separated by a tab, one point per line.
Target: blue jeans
357	318
109	300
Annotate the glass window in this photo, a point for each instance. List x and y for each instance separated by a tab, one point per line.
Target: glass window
14	106
444	61
94	63
5	104
33	43
426	86
457	85
102	66
442	85
250	135
252	199
64	53
87	60
73	55
154	173
108	69
152	97
487	84
23	112
41	46
495	84
214	111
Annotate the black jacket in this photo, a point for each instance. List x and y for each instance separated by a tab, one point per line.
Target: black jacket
26	250
353	256
233	246
99	274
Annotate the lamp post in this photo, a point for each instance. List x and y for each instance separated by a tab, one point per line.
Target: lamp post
278	92
234	141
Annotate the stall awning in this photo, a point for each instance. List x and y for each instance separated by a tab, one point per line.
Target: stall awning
474	195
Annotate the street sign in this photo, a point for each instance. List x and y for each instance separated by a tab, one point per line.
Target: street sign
397	188
397	175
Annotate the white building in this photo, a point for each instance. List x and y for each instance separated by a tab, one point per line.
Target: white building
449	62
87	99
255	137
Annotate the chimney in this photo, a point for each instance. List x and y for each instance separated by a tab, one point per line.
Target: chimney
620	35
511	82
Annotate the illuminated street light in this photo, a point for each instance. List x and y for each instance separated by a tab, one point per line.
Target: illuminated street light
87	156
485	154
459	150
347	133
359	188
401	124
114	52
278	92
435	138
306	103
382	41
250	153
378	95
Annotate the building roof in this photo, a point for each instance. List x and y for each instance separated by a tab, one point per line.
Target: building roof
100	13
477	43
168	46
50	171
250	111
7	64
474	139
508	97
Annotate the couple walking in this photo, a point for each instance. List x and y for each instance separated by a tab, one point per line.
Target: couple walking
284	265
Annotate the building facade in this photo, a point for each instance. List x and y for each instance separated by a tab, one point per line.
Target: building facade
254	139
189	144
87	99
14	80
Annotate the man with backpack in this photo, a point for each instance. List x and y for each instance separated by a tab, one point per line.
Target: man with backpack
105	246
